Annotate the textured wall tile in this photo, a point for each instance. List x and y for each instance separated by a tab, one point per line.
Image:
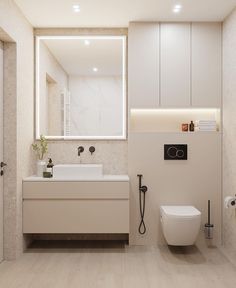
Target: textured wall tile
18	119
229	128
112	154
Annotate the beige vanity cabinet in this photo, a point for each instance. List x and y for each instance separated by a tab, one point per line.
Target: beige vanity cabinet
75	206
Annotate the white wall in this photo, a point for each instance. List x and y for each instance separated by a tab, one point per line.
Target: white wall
18	109
229	129
103	97
50	104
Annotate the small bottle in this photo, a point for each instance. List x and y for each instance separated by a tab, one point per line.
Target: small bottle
191	126
50	167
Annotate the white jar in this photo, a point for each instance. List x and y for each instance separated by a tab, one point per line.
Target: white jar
41	167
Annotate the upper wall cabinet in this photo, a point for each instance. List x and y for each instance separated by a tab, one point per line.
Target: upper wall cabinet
143	47
175	65
206	64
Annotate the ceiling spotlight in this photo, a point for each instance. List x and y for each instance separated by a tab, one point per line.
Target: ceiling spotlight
76	8
177	8
86	42
95	69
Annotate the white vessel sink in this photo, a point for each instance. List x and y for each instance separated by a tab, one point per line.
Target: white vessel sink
77	171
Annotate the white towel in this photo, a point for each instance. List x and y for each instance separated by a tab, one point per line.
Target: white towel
205	121
206	129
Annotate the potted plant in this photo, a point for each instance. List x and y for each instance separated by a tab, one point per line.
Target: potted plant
41	149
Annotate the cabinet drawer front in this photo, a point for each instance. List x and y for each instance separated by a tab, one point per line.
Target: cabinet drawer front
76	216
75	190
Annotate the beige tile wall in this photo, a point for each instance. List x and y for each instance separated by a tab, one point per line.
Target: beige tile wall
229	129
18	118
112	154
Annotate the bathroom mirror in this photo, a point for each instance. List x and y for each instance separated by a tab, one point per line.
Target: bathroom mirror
81	87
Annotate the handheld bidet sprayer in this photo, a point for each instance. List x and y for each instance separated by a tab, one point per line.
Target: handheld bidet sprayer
142	192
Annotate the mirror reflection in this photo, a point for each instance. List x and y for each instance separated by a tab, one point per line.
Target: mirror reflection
81	87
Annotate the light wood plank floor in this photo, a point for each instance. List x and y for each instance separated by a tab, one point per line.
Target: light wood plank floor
111	265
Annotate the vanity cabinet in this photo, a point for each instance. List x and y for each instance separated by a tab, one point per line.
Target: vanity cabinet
175	65
75	206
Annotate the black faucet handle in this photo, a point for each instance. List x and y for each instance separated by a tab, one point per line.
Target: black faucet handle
92	149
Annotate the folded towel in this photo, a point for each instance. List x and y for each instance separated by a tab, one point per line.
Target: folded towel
206	129
206	126
205	122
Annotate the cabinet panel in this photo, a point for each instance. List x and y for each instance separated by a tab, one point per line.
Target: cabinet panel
75	190
75	216
143	65
175	65
206	64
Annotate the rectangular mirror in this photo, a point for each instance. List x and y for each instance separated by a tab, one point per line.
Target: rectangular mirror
81	87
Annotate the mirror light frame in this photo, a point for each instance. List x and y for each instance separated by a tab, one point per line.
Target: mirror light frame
124	90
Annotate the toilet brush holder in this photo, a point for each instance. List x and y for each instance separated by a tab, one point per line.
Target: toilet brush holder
209	231
208	226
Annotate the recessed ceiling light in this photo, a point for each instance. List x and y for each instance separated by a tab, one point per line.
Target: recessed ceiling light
177	8
76	8
86	42
95	69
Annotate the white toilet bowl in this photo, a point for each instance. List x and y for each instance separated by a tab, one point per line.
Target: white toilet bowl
180	224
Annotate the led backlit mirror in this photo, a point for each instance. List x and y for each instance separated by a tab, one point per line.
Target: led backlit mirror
81	87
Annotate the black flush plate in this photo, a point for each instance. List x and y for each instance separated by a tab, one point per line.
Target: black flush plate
175	151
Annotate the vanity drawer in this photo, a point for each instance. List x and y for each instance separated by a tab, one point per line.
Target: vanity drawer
76	216
75	190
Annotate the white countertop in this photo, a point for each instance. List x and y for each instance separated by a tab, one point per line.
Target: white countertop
103	178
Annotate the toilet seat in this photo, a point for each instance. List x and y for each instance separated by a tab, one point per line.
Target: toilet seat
180	211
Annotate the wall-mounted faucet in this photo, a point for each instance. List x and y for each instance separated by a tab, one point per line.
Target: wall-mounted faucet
80	150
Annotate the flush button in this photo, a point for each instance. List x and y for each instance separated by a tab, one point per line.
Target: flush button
175	152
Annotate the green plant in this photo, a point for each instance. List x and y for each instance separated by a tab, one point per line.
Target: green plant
40	148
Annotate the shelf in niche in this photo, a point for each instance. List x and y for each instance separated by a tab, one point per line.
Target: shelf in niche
170	120
176	132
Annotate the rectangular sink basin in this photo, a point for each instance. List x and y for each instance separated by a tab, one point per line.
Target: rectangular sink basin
77	171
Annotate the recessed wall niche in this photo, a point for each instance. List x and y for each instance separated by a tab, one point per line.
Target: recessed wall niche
170	120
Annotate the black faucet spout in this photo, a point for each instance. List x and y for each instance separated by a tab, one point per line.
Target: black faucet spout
80	150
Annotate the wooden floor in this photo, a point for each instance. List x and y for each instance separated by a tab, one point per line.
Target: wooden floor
114	265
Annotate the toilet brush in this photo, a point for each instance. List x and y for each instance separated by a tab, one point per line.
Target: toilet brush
208	225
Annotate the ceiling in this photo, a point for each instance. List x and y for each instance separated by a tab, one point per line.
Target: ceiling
118	13
78	59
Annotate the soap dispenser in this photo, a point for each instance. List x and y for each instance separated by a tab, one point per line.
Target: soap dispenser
191	126
50	167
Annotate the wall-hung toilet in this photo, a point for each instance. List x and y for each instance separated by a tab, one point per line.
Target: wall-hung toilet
180	224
